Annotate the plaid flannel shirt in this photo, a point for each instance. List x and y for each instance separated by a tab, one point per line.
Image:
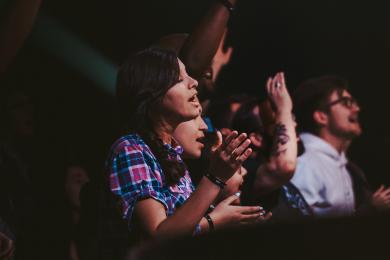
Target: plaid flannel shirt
135	174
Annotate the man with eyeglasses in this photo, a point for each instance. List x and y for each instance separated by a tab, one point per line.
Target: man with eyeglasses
328	118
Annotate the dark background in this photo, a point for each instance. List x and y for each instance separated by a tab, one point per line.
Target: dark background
303	38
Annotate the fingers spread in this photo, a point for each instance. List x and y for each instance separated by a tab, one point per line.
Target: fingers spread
381	188
386	192
244	156
235	143
239	150
229	139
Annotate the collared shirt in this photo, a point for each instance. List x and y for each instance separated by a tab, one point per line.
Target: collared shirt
323	179
135	174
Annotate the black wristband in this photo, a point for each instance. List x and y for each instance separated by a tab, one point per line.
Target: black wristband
229	6
211	223
217	181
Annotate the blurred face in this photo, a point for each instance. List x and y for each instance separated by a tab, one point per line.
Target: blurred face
206	84
180	103
21	115
234	107
189	135
343	116
76	177
234	184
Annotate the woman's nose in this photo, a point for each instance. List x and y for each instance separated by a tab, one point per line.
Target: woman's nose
193	83
203	125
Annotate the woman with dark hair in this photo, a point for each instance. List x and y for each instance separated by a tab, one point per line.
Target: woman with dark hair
191	136
146	171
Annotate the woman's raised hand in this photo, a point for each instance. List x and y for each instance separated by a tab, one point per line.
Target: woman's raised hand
228	155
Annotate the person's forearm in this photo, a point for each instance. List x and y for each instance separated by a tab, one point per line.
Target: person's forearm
15	29
284	154
201	46
184	220
280	167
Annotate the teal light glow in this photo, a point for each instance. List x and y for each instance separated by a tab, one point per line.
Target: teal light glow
65	46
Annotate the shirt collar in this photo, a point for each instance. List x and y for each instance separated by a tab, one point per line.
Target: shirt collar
174	149
314	143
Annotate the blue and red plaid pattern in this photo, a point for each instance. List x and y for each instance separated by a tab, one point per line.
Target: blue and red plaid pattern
135	174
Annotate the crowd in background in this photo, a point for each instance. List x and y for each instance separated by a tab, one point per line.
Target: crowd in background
183	161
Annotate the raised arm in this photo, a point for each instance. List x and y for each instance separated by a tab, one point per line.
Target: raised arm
281	164
15	28
202	44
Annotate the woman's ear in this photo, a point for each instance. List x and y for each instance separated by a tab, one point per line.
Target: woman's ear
320	117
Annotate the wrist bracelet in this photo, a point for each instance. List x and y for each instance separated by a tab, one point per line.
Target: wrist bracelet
211	223
229	6
217	181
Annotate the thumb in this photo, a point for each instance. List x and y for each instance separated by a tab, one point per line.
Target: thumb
218	143
229	200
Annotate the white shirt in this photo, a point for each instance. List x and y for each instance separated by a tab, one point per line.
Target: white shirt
322	178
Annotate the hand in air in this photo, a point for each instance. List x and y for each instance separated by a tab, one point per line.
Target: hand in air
228	155
278	93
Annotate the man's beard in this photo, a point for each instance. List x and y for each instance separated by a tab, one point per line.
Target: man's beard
346	134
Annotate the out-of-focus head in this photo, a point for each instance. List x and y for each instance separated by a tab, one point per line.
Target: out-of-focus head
190	135
154	85
222	110
75	177
326	103
17	113
247	120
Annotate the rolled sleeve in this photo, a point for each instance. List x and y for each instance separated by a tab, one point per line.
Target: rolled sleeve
133	178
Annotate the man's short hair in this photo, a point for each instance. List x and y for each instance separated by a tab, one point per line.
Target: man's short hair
313	94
